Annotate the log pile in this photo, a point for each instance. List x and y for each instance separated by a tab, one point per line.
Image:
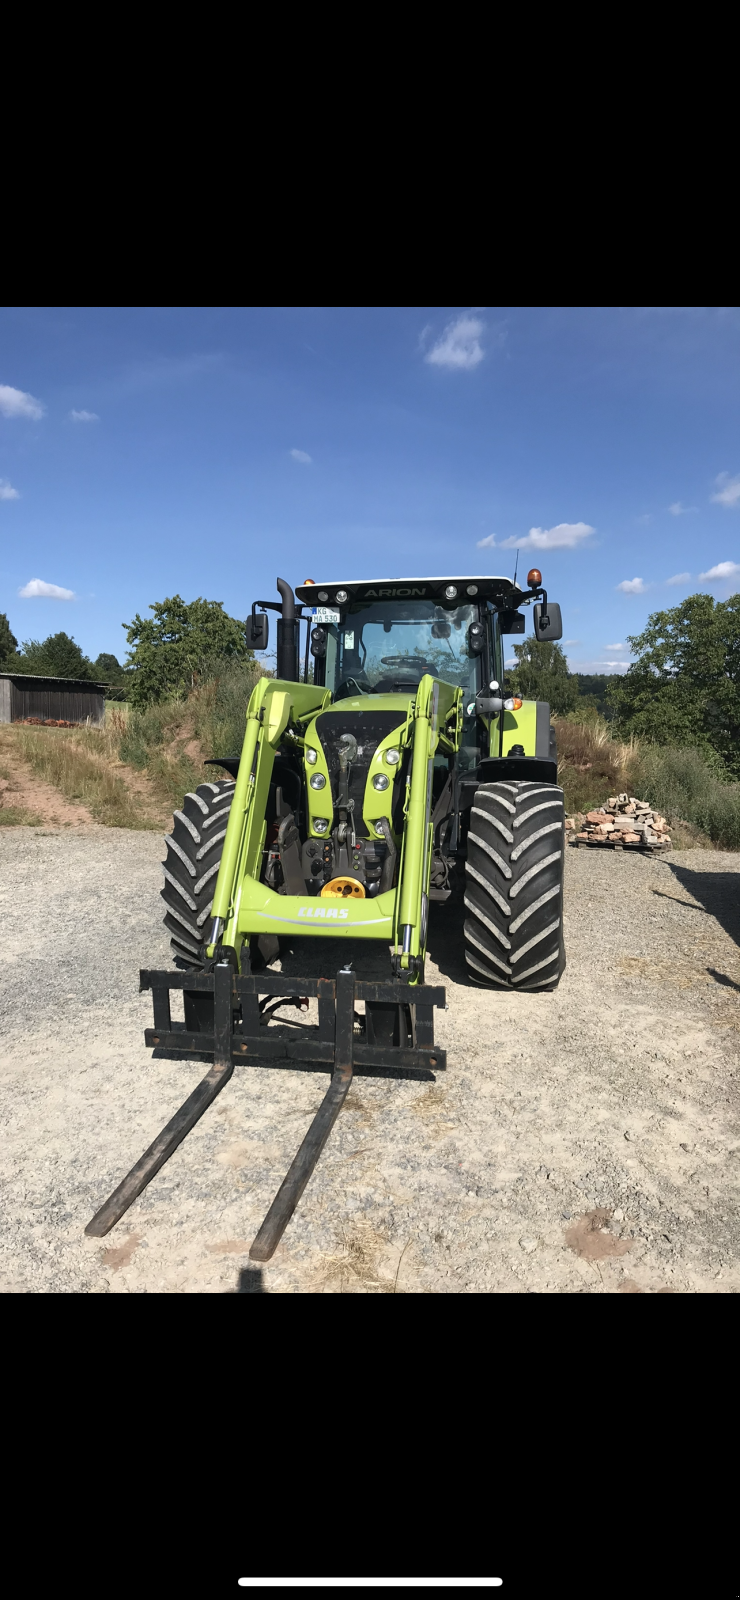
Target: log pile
623	821
47	722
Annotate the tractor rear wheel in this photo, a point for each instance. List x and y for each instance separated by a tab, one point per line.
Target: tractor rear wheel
514	886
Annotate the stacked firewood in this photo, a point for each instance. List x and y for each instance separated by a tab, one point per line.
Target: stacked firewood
624	820
47	722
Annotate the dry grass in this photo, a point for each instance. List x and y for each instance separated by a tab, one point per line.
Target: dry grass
82	764
591	764
16	817
161	741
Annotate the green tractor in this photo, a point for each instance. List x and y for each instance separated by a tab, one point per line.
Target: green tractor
373	770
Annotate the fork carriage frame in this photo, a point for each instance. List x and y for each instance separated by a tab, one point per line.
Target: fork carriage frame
240	1035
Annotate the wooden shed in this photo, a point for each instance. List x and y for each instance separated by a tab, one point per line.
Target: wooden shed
23	696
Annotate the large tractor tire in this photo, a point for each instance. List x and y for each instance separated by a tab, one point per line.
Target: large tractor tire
194	850
514	886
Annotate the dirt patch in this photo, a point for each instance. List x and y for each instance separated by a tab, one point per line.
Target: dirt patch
591	1239
195	752
118	1256
37	801
139	785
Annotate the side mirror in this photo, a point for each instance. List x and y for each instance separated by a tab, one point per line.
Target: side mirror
511	622
318	642
476	638
548	623
258	631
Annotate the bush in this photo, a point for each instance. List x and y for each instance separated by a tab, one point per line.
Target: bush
220	706
685	784
171	650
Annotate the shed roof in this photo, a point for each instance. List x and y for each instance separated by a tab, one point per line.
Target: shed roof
60	683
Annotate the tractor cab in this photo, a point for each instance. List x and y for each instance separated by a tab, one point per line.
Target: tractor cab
380	638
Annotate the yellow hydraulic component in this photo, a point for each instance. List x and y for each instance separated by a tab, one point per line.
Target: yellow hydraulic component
344	889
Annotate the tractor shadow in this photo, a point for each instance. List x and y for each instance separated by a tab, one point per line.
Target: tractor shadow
250	1281
718	894
446	940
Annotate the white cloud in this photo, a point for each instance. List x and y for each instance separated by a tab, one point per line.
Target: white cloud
679	577
487	544
84	416
572	641
459	346
7	492
615	647
632	586
680	510
728	490
16	403
562	537
300	455
38	590
600	666
723	569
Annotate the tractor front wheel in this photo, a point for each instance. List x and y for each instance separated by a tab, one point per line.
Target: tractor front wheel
514	886
194	850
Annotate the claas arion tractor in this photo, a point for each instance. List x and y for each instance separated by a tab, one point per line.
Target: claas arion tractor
383	759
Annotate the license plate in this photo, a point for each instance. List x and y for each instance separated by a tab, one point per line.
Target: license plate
325	614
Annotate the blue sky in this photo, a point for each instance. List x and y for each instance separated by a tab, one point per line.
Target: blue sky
146	452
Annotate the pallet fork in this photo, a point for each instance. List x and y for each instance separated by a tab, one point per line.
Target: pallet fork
397	1012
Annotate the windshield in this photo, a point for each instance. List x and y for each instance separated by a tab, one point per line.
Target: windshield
383	647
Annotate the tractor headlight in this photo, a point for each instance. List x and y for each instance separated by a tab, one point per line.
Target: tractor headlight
393	757
317	780
320	824
322	595
472	588
340	596
450	592
381	780
311	757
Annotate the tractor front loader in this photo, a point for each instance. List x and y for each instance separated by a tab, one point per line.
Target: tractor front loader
360	791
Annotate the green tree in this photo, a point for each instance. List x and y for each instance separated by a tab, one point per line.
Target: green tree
108	669
55	657
541	673
173	649
592	692
8	643
684	688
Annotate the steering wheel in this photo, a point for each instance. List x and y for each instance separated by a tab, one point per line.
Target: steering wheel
405	661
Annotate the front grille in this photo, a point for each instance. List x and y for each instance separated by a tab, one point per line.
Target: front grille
368	728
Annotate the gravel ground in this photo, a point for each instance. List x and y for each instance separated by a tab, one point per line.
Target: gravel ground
579	1142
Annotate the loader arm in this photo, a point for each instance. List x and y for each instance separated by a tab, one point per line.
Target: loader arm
274	705
437	726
